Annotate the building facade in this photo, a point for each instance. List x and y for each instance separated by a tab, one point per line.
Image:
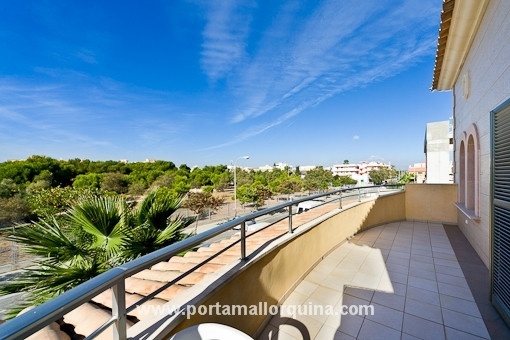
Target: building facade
419	170
359	171
473	61
439	152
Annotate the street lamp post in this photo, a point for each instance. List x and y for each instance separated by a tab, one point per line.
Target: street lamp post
235	183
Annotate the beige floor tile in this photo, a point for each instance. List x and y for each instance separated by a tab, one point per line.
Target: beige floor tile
306	287
424	310
372	330
367	281
327	295
337	281
385	283
417	286
269	333
350	325
452	333
387	316
421	328
456	291
465	323
326	332
364	294
459	305
288	332
390	300
295	298
312	325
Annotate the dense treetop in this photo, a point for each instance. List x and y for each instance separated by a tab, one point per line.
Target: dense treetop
42	185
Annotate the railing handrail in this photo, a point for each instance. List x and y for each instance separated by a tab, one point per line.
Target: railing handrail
50	311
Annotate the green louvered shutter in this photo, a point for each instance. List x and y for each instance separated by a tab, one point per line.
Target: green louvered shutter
501	210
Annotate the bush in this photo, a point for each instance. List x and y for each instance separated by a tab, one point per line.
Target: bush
13	209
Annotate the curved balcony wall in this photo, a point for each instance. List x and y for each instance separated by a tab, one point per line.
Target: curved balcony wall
273	273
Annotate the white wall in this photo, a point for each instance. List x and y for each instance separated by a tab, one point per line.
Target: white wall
488	68
438	152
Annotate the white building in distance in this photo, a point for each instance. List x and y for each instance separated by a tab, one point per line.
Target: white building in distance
419	170
439	152
280	165
358	171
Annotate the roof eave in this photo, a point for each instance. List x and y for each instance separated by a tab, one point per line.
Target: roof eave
459	23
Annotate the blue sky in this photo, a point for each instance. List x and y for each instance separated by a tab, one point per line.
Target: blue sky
205	82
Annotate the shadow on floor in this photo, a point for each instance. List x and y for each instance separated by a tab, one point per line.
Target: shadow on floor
478	278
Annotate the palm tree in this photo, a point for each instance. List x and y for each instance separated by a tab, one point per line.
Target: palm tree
153	229
96	234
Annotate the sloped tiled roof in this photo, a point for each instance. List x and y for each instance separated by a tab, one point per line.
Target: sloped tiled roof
90	316
444	29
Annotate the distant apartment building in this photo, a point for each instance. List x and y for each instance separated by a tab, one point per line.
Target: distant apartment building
303	169
439	152
359	172
280	165
419	170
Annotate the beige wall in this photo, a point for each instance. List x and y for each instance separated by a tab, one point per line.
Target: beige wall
431	202
487	67
273	274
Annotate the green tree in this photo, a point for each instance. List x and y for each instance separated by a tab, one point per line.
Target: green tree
339	181
243	177
318	179
221	181
96	234
114	182
13	209
8	188
255	194
290	185
53	202
38	185
165	180
407	178
181	185
137	189
378	176
199	202
89	181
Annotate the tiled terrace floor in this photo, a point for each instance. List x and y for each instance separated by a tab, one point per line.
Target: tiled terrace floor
409	273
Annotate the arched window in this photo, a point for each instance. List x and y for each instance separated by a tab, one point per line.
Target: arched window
469	172
462	174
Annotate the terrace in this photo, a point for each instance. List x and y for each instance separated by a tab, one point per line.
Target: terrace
398	251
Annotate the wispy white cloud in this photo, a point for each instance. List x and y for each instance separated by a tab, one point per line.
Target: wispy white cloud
86	56
268	62
97	113
339	46
224	37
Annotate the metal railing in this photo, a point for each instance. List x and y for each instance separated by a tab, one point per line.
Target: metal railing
30	322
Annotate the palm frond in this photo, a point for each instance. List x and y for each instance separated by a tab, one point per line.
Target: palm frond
47	239
103	218
48	280
157	207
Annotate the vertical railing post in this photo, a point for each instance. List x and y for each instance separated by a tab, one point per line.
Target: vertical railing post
119	310
340	199
243	240
359	195
290	219
14	253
